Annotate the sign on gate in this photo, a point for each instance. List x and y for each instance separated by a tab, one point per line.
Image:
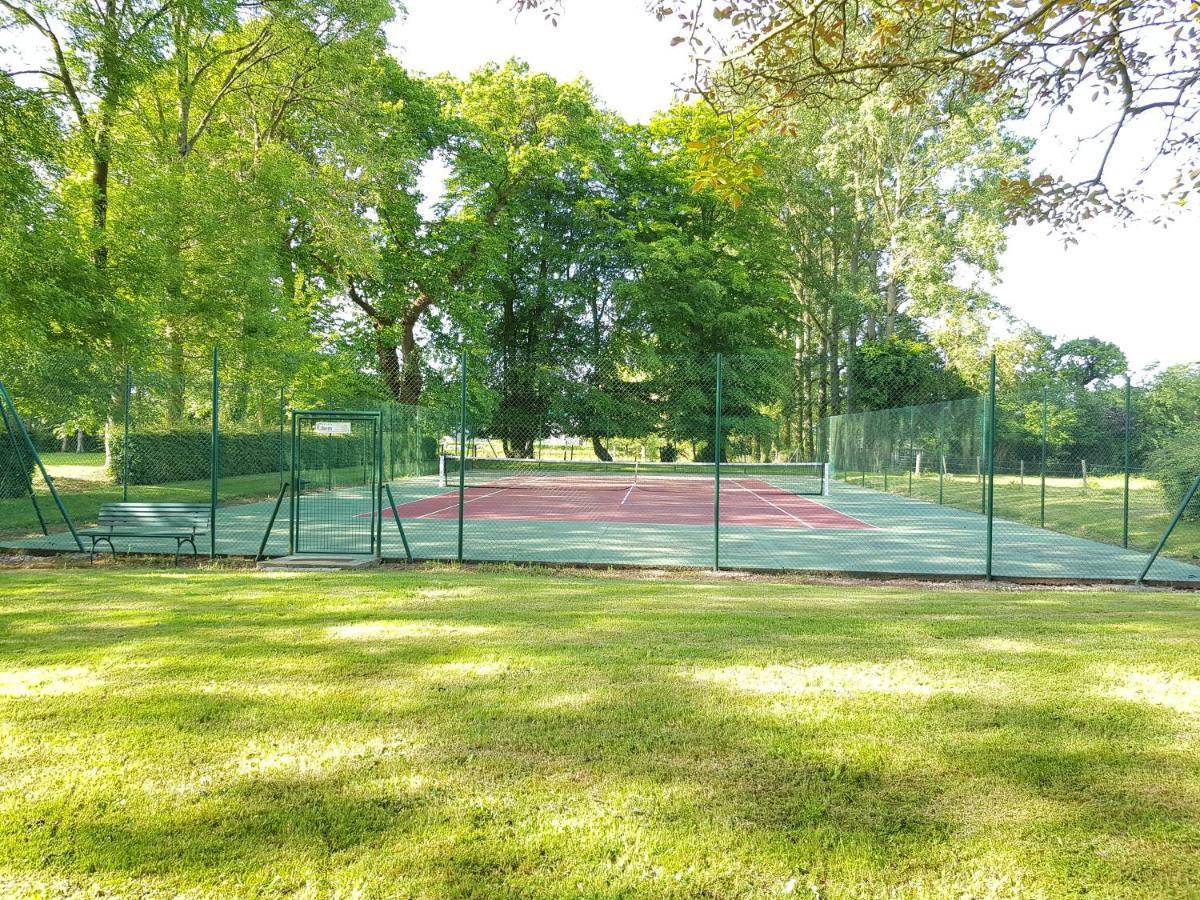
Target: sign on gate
331	427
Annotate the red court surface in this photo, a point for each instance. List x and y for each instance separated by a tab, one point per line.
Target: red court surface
746	501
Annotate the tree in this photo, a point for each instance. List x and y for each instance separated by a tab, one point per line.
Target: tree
1090	362
1141	56
901	371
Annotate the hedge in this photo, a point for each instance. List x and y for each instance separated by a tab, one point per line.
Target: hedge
16	469
1176	465
49	442
167	456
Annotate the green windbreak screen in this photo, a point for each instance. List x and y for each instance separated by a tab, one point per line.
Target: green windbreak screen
638	458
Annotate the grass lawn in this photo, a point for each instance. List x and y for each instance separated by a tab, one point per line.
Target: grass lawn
1096	513
85	485
442	732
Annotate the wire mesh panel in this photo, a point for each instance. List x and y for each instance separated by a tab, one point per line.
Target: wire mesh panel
610	467
1070	463
916	477
773	482
618	461
335	482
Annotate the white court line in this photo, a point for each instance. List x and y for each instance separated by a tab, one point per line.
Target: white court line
751	491
628	492
454	505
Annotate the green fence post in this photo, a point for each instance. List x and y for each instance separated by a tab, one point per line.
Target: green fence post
1128	425
912	459
216	455
125	439
6	399
1167	534
717	475
282	420
1042	466
990	441
294	496
377	487
18	450
462	451
942	455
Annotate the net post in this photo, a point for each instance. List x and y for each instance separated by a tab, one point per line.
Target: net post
1128	436
717	475
991	470
1042	464
827	480
125	439
215	461
462	450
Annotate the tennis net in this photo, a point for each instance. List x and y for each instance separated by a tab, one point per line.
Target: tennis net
807	478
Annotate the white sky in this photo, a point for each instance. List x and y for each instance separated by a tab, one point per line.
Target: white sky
1138	285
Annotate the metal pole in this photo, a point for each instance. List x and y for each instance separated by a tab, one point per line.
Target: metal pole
1045	427
262	548
18	453
991	473
941	454
717	475
378	486
282	420
1128	425
1167	534
125	439
912	459
294	498
216	455
6	398
462	452
400	525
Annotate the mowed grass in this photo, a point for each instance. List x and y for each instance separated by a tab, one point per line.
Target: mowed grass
439	732
1096	513
85	485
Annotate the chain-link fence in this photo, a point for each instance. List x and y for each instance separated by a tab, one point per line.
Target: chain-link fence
652	460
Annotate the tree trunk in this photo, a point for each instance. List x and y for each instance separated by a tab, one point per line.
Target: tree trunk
600	450
389	367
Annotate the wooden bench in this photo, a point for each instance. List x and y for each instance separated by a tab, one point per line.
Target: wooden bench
183	522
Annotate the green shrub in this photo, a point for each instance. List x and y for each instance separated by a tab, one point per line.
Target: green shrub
1176	464
162	457
47	441
16	468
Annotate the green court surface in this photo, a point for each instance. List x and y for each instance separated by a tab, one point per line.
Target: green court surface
905	536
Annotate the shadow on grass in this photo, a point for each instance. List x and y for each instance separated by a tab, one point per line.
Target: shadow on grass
545	726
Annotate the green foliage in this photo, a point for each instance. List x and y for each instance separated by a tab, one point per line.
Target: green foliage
898	371
164	457
1090	361
1176	464
1172	403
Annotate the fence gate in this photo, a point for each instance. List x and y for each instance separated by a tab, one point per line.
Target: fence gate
337	462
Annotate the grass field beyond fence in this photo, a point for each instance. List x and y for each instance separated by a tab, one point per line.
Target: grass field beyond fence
444	733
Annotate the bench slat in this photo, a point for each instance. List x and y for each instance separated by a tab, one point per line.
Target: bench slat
147	516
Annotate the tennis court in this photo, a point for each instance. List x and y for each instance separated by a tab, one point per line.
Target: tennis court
765	496
771	518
